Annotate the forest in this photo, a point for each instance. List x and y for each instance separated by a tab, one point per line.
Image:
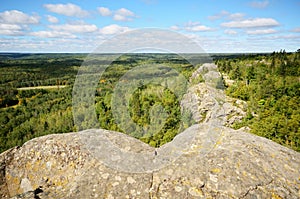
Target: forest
30	108
269	83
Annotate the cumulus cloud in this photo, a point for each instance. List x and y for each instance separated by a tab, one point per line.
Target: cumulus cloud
121	14
251	23
15	23
124	12
259	4
17	17
196	27
104	11
68	9
113	29
261	32
78	27
52	19
52	34
11	29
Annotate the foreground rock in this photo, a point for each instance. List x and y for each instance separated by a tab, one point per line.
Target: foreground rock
234	164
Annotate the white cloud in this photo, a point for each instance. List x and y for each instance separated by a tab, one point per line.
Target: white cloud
113	29
236	16
230	32
196	27
17	17
104	11
227	15
120	18
259	4
52	19
125	12
11	29
52	34
251	23
67	10
78	27
15	23
122	14
261	32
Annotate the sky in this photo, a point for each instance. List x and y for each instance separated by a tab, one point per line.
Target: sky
218	26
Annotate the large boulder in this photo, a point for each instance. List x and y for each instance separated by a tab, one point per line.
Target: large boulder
215	162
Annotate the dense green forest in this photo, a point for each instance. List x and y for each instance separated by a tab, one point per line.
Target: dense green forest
268	82
28	113
271	86
25	114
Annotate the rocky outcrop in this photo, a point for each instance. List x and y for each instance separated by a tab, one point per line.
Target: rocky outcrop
217	163
207	160
208	102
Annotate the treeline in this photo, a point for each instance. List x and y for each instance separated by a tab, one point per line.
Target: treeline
271	86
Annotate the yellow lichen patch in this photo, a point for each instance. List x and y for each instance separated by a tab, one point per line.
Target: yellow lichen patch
238	164
61	181
275	196
215	170
36	166
196	192
218	143
14	184
33	180
28	166
273	155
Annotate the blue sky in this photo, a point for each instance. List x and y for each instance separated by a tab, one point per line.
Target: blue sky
218	26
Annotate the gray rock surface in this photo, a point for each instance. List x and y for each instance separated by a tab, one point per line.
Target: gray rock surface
207	103
236	165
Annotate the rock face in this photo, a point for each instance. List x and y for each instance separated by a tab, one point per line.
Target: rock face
207	102
237	165
207	160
